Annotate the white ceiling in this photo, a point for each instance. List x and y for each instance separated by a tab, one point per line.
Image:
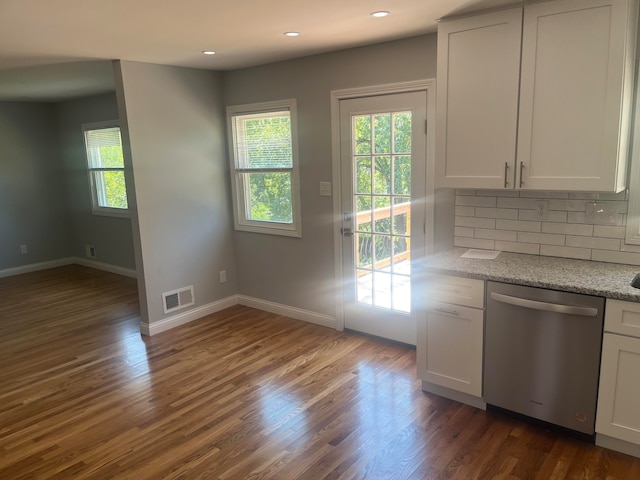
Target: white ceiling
242	32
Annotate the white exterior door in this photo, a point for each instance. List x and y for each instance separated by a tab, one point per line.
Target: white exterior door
383	161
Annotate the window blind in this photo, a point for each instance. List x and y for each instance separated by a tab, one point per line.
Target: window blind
263	141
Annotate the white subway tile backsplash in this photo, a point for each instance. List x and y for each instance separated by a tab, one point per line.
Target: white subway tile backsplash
465	211
518	225
576	217
552	216
593	242
608	231
565	252
507	213
463	232
473	243
615	257
524	203
496	234
473	201
542	195
567	229
541	238
530	248
568	205
598	196
475	222
497	193
506	220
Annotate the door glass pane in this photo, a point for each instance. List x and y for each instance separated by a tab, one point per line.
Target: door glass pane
402	132
382	178
364	286
401	286
401	215
402	175
363	213
363	175
364	252
382	133
362	135
382	175
382	289
382	214
401	255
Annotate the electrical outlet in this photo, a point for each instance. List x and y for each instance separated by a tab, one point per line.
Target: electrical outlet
24	249
223	276
90	251
542	209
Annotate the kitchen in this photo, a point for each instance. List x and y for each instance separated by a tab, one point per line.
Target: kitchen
304	281
565	112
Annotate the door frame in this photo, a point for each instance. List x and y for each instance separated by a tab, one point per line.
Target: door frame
428	86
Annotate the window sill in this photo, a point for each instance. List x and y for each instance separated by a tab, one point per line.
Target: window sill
111	212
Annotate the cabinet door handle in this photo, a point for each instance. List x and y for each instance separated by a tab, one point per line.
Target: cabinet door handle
506	172
521	168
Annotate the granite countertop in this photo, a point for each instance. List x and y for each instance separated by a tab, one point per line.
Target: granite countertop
609	280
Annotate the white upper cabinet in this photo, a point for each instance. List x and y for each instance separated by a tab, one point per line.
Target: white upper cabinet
576	63
477	100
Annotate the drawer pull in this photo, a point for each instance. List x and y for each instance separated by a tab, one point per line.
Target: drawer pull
446	312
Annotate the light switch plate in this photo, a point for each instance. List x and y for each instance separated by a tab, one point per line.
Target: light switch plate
325	189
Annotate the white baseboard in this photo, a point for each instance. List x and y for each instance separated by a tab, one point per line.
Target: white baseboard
34	267
285	310
186	317
87	262
61	262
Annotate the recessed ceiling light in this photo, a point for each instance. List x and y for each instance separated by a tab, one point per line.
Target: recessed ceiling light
381	13
208	52
292	34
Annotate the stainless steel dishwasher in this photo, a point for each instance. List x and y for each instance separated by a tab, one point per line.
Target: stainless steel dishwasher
542	354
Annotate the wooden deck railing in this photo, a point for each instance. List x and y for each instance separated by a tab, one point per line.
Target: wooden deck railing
380	214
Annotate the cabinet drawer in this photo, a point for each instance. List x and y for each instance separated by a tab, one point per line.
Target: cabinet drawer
456	290
622	317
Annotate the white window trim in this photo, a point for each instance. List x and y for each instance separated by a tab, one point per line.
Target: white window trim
96	209
241	222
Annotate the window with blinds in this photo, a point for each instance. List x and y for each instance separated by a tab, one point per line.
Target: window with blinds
105	162
264	167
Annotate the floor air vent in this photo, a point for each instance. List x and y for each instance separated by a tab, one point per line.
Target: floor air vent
177	299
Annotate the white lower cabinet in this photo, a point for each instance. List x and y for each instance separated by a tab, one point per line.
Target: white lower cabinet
450	339
618	417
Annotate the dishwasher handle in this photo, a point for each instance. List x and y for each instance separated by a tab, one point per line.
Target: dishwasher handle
548	307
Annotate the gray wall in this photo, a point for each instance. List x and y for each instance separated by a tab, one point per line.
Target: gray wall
299	272
32	187
173	130
111	236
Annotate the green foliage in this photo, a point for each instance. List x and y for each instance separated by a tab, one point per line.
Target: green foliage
270	197
112	191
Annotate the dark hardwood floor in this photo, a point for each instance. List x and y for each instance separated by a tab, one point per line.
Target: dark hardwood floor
241	394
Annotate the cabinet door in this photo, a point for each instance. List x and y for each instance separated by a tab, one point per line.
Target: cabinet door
477	100
576	71
450	350
619	396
